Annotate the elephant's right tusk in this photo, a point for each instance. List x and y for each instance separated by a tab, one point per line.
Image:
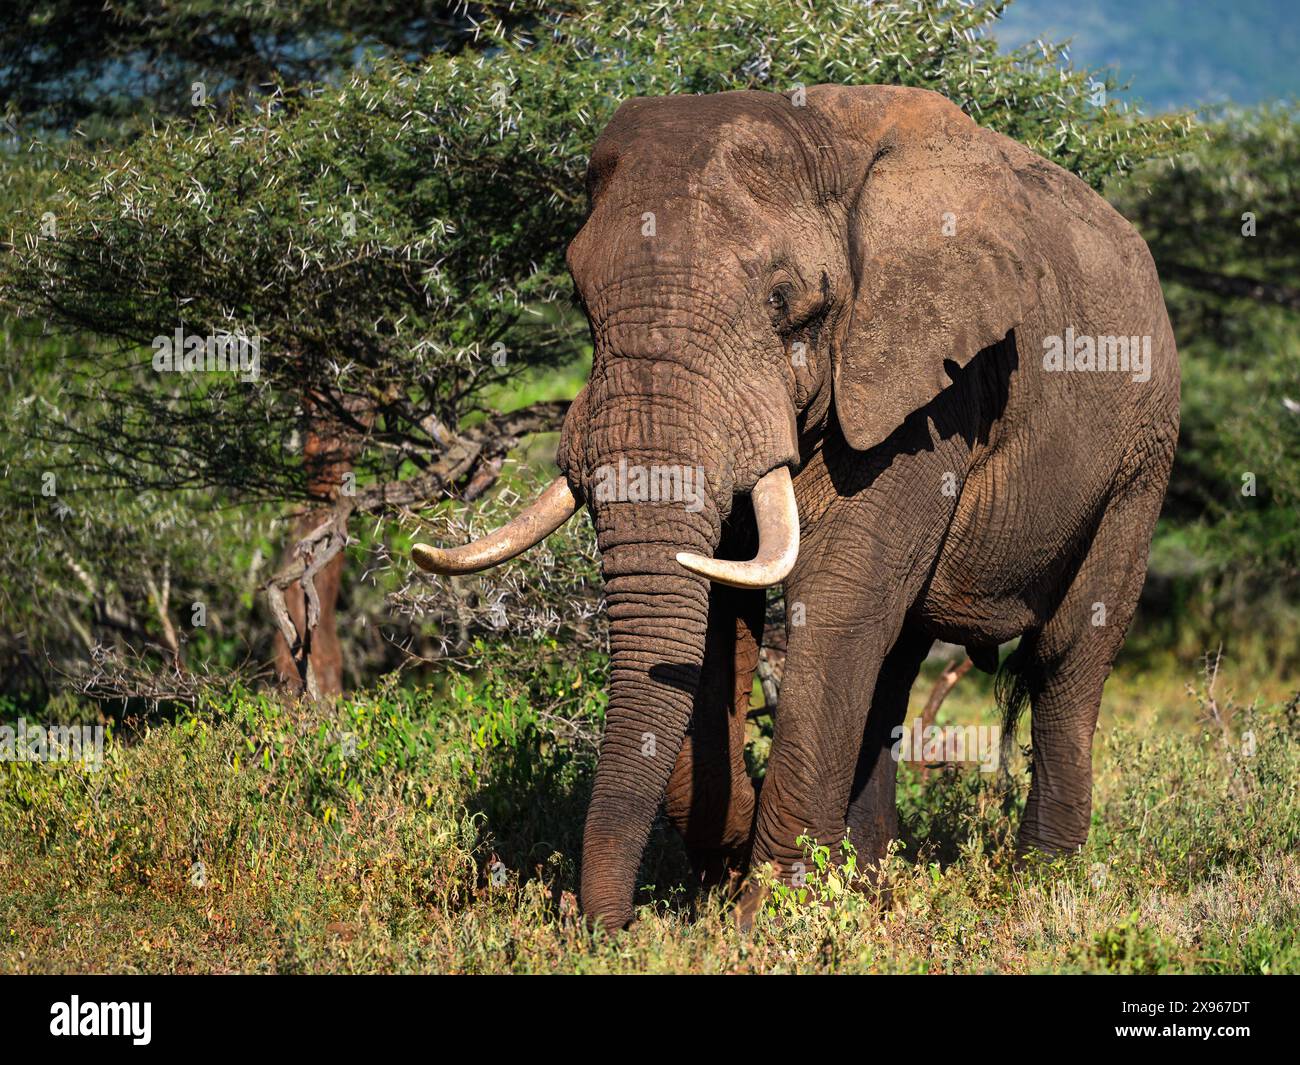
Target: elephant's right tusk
531	526
778	538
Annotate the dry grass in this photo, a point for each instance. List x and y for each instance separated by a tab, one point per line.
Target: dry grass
255	837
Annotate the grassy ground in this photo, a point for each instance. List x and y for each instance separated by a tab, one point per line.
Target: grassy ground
410	831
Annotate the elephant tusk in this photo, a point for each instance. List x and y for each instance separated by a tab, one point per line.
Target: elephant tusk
778	539
531	526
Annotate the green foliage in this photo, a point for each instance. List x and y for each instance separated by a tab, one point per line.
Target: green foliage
108	68
90	563
1130	947
1191	209
1181	836
1223	226
383	235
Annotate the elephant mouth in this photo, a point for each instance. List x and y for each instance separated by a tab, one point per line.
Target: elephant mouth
775	510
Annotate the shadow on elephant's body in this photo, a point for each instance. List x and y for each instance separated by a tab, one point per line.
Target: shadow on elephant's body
968	407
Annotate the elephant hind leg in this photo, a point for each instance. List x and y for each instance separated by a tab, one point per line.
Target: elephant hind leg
872	816
1063	667
710	797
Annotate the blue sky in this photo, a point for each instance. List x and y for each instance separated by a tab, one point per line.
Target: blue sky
1176	53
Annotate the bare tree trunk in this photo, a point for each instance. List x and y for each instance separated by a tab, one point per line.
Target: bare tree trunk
308	654
320	644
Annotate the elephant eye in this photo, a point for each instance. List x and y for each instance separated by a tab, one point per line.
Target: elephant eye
780	300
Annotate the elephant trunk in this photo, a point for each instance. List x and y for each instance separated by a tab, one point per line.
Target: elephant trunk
658	614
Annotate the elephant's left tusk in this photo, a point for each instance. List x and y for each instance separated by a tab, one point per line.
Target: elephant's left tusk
778	539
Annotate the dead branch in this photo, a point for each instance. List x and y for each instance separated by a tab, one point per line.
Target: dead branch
947	680
161	598
309	556
952	673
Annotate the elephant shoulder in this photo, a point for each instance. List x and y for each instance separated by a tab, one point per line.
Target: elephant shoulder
1091	239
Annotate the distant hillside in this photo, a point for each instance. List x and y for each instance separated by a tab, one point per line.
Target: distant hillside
1175	54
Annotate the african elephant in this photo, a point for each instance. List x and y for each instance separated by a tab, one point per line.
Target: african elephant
922	376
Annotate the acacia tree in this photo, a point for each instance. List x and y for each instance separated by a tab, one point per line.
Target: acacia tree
395	246
376	320
106	69
108	72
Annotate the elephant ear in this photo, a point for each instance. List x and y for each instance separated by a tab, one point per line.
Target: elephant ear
940	260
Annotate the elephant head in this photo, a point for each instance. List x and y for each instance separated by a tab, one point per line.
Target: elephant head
757	269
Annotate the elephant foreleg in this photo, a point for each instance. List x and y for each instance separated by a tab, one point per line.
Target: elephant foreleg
826	695
873	809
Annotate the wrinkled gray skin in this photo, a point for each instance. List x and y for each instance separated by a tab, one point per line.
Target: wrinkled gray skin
949	487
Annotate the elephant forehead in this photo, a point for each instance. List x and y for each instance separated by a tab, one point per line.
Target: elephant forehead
760	143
